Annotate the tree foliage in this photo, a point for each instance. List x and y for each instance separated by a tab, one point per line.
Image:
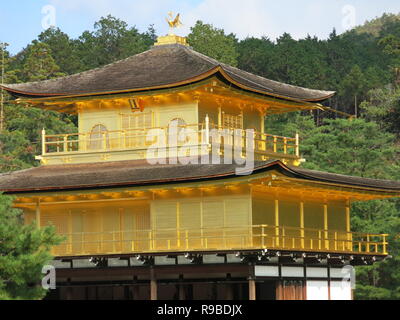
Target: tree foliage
24	250
213	42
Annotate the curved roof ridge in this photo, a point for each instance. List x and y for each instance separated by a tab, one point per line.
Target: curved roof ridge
274	81
203	56
309	172
226	67
329	177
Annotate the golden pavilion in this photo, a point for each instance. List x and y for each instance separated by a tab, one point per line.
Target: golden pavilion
139	228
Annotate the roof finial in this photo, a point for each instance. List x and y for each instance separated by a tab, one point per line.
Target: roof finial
173	23
171	38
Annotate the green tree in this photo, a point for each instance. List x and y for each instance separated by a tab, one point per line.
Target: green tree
39	63
383	107
391	46
10	76
284	57
362	148
255	56
64	50
356	147
24	250
21	140
112	40
354	87
213	42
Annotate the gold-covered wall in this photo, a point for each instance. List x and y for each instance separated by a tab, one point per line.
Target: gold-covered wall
99	228
269	209
197	223
111	116
252	118
183	223
301	223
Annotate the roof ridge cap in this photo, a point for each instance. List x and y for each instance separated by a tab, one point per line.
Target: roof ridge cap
225	66
203	56
304	171
264	78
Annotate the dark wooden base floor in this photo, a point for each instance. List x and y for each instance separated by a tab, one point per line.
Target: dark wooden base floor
185	291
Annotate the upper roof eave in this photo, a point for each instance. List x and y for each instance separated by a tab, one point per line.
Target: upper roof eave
172	57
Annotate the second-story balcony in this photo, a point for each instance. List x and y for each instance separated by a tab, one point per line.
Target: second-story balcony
221	239
133	144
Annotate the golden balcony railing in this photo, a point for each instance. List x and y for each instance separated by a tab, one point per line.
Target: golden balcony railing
264	144
198	135
221	239
112	140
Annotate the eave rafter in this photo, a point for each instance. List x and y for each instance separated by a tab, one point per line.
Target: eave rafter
211	88
271	183
354	193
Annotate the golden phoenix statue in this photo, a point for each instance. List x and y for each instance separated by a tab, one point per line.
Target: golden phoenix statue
174	23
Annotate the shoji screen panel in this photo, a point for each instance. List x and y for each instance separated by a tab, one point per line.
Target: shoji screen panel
165	222
213	223
313	219
59	218
111	235
189	224
237	222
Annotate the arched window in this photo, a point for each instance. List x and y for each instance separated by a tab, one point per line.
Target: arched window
99	138
178	121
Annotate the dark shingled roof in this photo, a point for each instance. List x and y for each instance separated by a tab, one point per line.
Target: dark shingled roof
160	67
139	173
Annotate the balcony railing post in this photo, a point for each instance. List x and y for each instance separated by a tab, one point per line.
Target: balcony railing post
297	145
285	145
336	238
384	244
43	141
207	129
151	244
263	237
124	144
65	148
319	239
85	142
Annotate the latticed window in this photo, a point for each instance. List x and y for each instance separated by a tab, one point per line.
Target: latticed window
137	120
232	122
135	126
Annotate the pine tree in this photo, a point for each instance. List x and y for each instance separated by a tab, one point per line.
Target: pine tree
213	42
63	49
39	64
24	250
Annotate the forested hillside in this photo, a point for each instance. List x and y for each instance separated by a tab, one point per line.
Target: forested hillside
362	65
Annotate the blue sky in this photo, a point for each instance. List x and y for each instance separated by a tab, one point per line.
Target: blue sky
22	20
